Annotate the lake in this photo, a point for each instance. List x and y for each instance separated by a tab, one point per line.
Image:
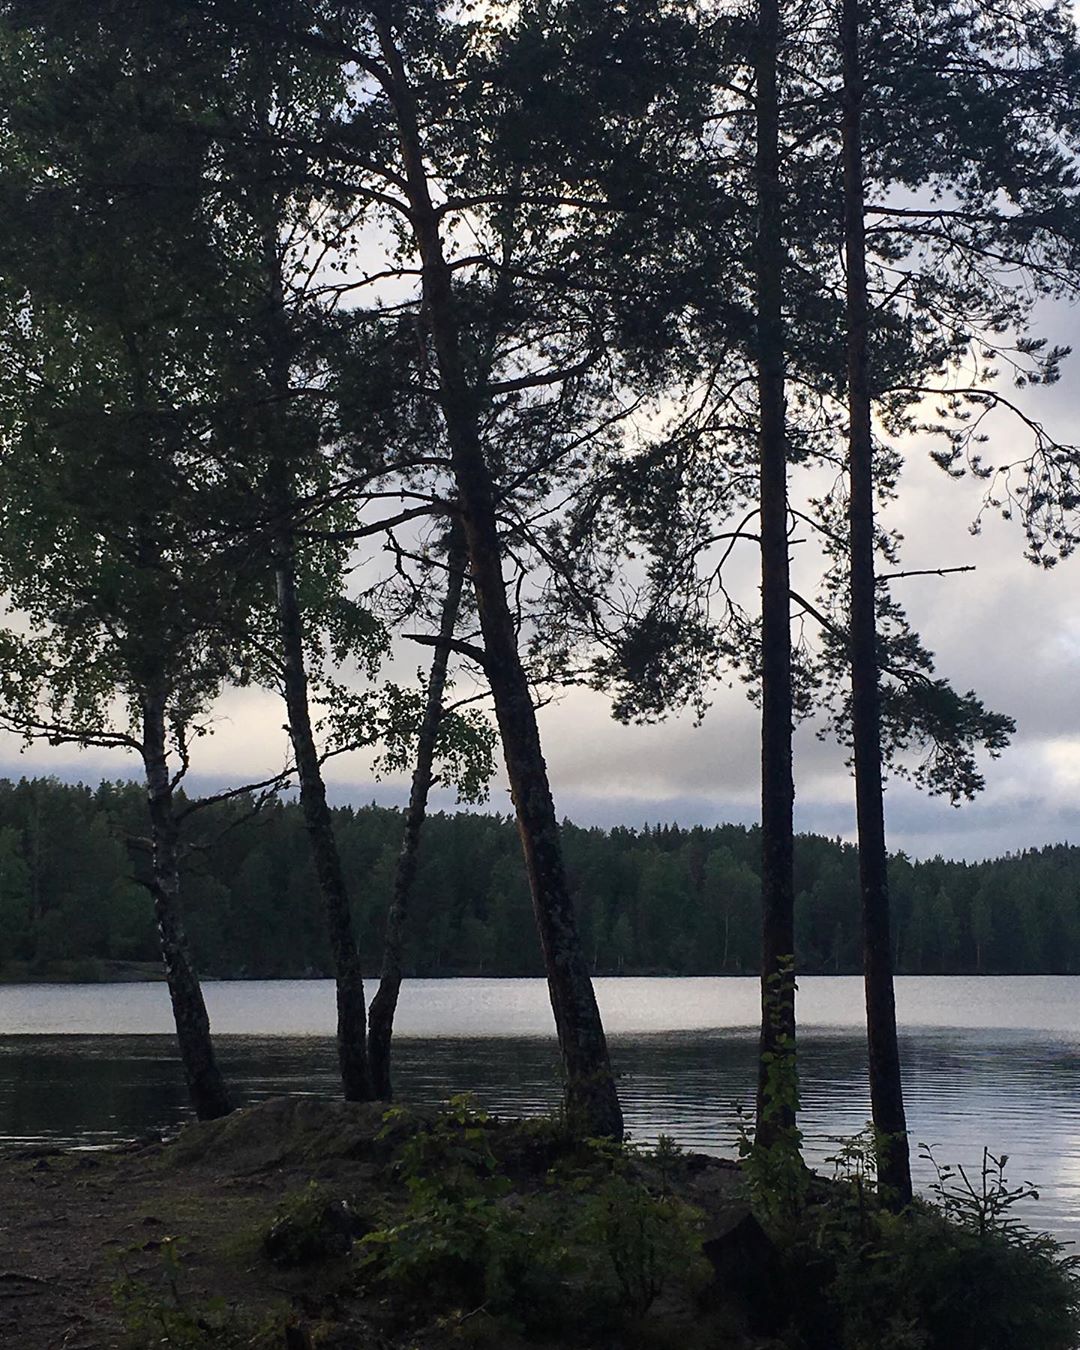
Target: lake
991	1061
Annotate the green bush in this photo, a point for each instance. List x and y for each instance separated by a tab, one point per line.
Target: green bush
957	1272
458	1244
312	1226
637	1238
645	1241
593	1245
925	1281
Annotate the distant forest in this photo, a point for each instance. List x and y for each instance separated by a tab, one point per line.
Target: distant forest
662	900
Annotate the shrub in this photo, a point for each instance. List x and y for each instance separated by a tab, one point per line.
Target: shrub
928	1282
957	1272
638	1237
594	1244
647	1241
312	1226
458	1243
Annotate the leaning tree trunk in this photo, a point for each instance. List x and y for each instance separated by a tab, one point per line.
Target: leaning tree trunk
886	1096
206	1086
384	1004
348	979
776	1067
351	1011
592	1103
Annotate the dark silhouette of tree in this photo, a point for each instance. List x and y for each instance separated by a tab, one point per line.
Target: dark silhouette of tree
887	1103
776	1072
383	1005
950	68
105	548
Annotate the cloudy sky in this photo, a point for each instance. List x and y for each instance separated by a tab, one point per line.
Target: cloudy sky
1008	630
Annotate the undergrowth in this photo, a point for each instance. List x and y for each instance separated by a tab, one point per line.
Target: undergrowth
955	1271
595	1244
157	1312
485	1233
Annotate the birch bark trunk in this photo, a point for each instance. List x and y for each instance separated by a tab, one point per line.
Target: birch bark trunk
206	1087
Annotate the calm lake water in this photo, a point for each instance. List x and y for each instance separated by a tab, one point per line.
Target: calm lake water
988	1061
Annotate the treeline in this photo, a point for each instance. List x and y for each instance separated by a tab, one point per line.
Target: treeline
562	308
663	900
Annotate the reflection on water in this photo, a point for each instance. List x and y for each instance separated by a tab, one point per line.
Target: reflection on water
491	1008
998	1082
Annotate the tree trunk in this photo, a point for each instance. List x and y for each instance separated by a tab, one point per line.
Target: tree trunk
776	1090
384	1004
351	1008
592	1104
886	1096
204	1081
351	1011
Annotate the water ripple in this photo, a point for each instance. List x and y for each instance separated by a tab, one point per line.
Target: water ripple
73	1069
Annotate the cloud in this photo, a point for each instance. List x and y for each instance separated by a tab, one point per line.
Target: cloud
1009	630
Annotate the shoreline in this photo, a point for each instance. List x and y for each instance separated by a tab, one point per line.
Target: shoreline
310	1222
92	971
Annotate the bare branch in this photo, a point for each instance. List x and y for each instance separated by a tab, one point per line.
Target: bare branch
435	507
543	377
33	729
466	649
267	787
926	572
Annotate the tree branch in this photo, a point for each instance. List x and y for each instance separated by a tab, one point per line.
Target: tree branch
274	784
466	649
377	527
926	572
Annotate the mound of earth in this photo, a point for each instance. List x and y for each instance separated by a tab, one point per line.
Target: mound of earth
90	1240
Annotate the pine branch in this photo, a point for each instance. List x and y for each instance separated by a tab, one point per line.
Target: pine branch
926	572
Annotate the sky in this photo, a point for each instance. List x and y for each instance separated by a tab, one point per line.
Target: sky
1009	630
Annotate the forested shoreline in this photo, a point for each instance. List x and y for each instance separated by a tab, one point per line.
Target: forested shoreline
515	332
660	900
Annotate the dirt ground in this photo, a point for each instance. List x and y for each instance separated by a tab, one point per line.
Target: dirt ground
79	1229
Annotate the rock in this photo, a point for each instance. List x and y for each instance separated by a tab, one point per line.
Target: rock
747	1272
